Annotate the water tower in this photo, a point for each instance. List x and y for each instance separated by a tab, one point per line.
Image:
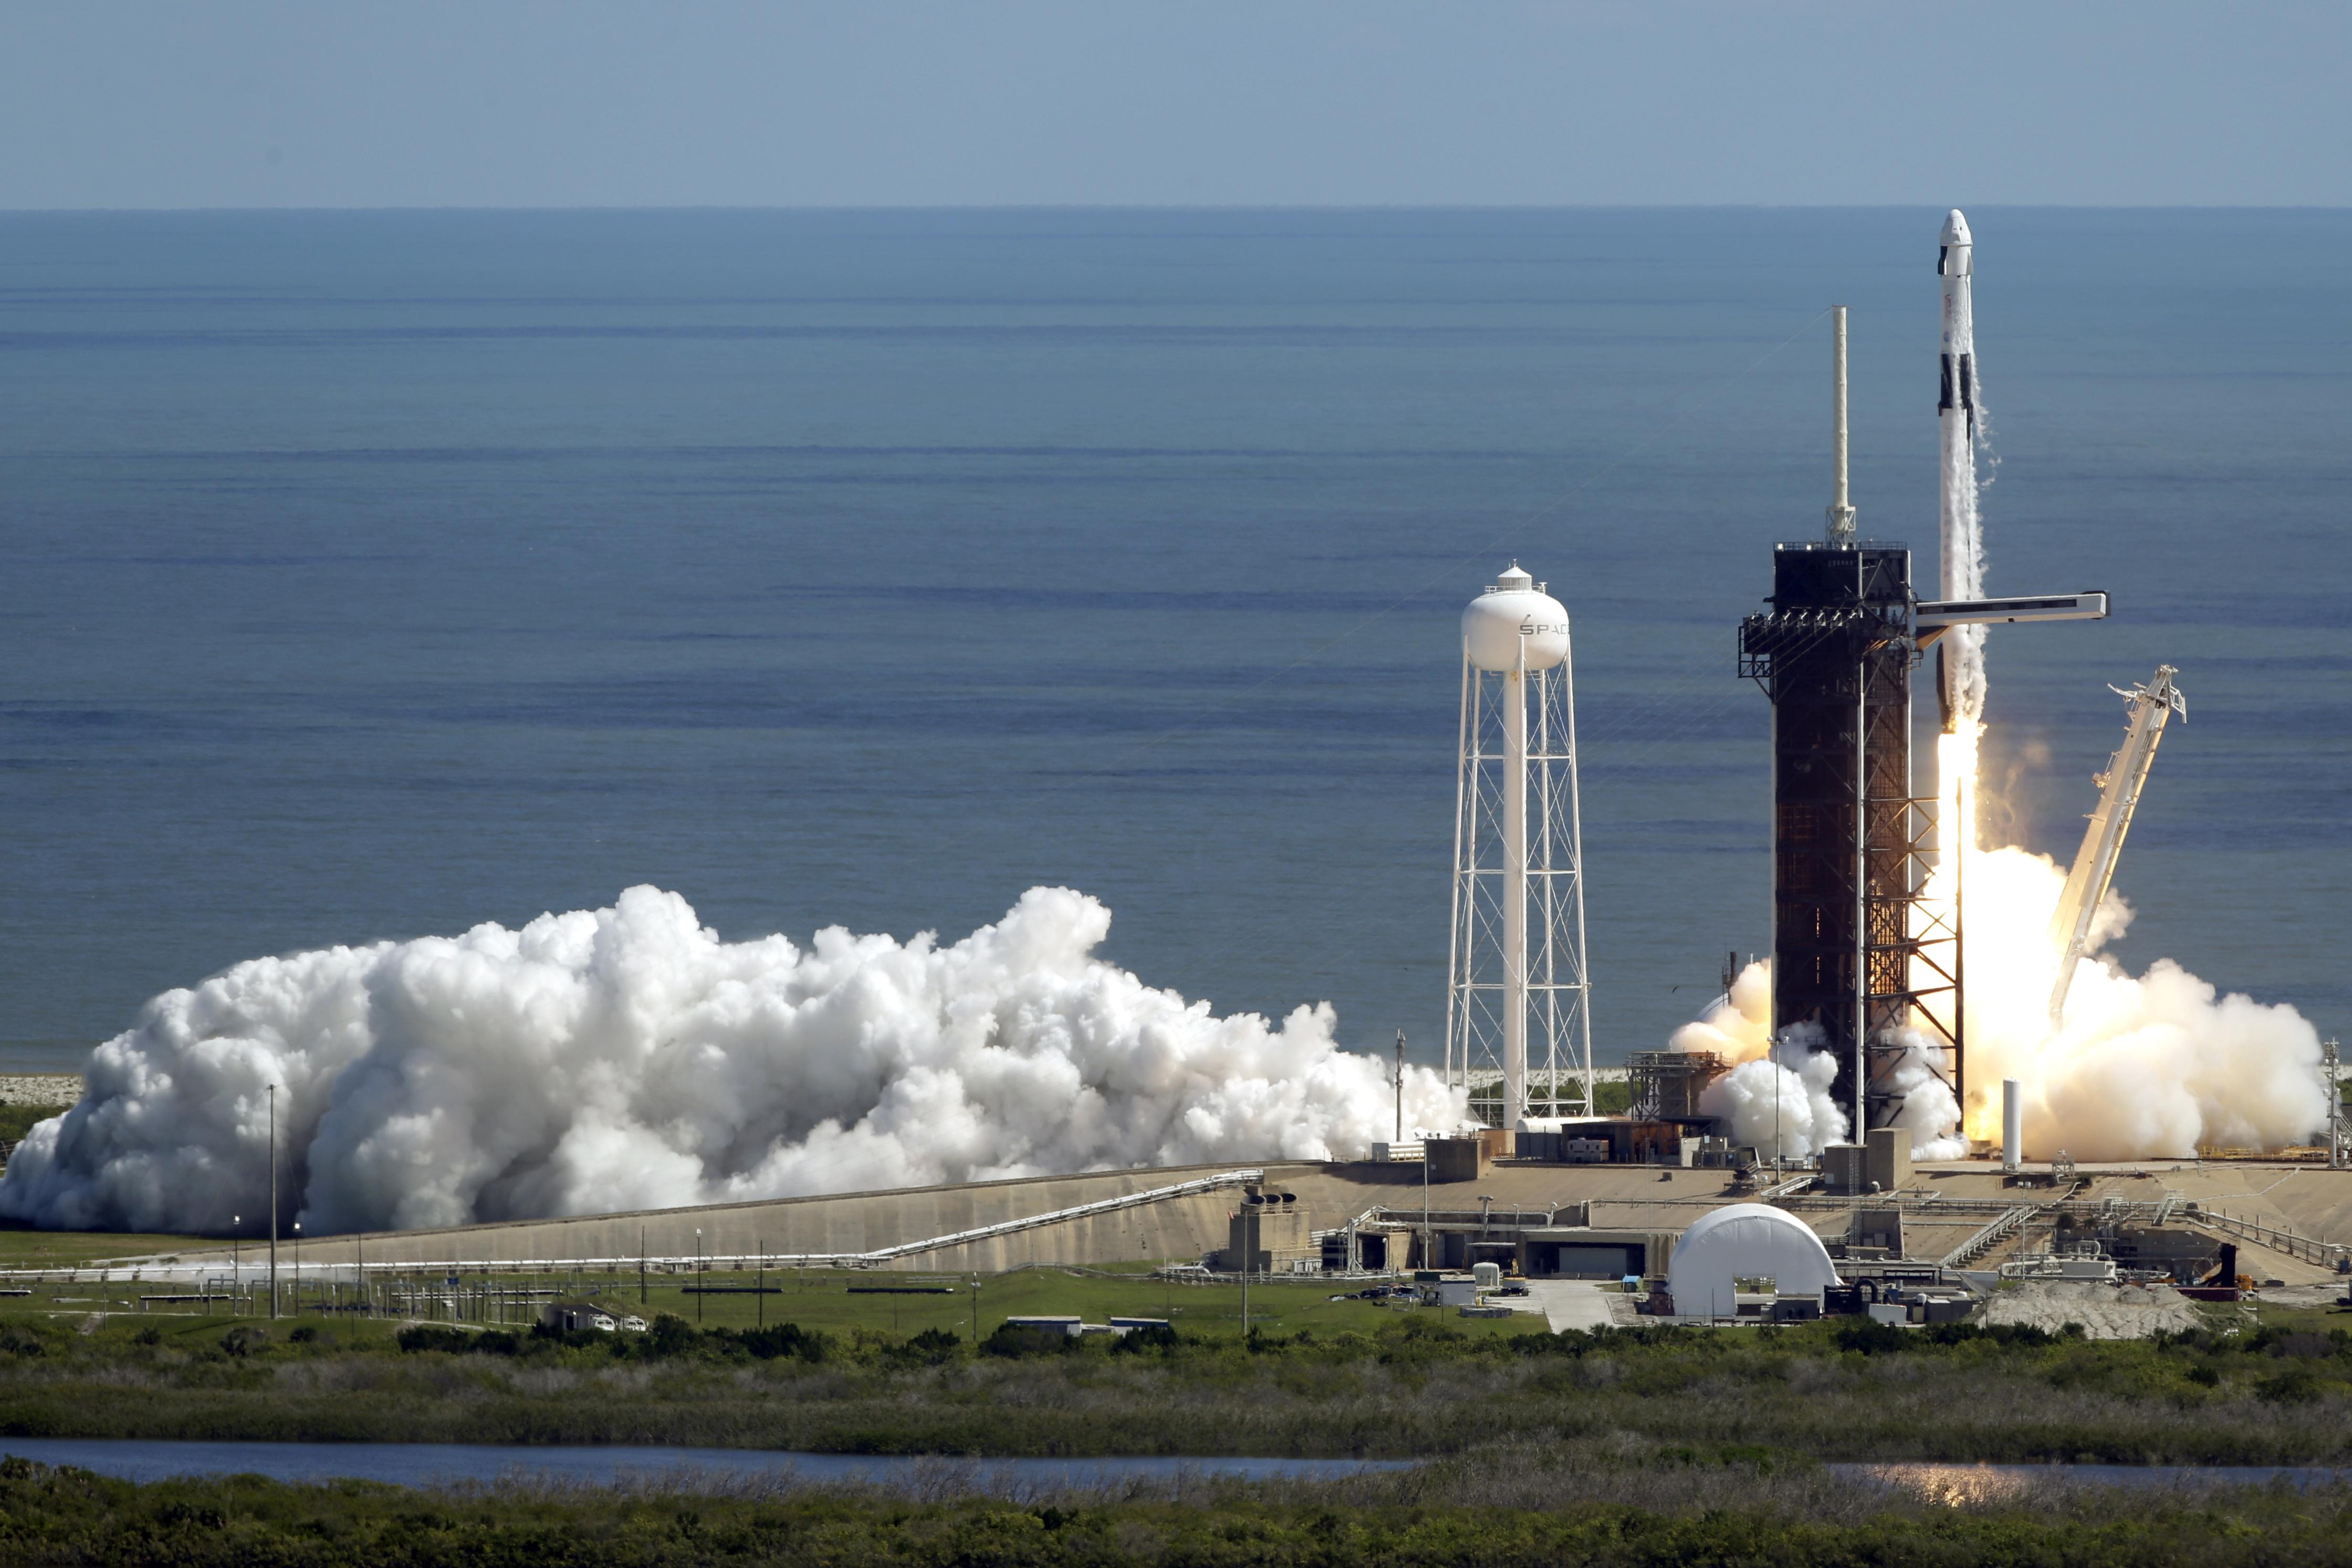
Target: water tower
1518	1027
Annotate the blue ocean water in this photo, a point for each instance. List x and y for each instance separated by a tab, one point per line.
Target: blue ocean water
371	575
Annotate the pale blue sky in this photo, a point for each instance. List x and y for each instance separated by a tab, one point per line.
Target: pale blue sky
889	102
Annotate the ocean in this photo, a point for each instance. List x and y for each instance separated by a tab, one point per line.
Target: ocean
371	575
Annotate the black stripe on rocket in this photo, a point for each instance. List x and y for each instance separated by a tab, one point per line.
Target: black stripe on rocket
1966	392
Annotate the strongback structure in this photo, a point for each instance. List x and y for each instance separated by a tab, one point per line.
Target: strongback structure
2103	839
1518	1030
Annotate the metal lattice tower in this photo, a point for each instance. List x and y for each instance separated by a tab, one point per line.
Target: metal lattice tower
1860	956
1518	1032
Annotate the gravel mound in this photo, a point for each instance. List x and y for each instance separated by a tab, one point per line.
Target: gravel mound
40	1089
2106	1311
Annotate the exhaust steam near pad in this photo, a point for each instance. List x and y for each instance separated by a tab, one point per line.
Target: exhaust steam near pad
628	1058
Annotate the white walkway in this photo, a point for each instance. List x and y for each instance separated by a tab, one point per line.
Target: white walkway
1566	1304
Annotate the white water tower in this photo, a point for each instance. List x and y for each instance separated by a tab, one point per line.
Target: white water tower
1518	1026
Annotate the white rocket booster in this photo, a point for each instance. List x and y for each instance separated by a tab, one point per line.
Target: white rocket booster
1959	659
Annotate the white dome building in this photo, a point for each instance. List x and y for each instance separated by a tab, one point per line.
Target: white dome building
1745	1241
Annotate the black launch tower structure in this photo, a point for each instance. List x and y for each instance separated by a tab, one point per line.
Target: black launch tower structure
1859	958
1865	965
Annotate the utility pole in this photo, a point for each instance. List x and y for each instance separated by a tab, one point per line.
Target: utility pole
1426	1260
273	1200
2331	1070
1400	1087
235	1277
641	1266
761	1295
699	1282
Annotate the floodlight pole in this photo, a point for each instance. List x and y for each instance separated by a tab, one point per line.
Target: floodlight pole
1426	1260
1400	1087
273	1200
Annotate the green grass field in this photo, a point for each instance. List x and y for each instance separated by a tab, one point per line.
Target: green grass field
826	1300
24	1247
835	1300
871	1372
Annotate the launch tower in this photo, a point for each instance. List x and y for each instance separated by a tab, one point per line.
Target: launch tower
1857	952
1865	965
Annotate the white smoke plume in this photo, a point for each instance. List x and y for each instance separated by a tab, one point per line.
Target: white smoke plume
2153	1067
1803	1122
1929	1108
1768	1105
1737	1027
627	1057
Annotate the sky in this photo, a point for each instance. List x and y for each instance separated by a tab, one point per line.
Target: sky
246	103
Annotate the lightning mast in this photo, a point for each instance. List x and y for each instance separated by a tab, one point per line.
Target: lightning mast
2103	840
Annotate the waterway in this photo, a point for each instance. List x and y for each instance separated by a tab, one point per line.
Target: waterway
436	1464
442	1464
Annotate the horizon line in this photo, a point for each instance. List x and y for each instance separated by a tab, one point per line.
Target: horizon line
1178	206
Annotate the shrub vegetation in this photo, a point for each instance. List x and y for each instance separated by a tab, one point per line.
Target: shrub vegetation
2274	1393
1730	1512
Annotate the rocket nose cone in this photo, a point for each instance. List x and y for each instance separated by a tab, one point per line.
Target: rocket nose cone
1956	229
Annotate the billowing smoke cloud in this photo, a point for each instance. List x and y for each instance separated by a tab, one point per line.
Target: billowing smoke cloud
1770	1107
1928	1108
627	1058
1767	1105
1738	1027
2156	1066
2153	1067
